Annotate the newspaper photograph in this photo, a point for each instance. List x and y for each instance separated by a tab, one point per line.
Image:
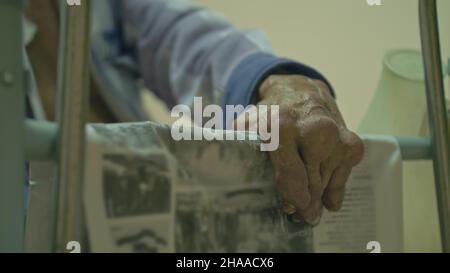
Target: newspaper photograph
148	193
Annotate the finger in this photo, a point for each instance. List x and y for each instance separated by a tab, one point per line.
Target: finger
353	147
318	140
318	137
349	152
328	167
313	213
290	175
326	170
334	194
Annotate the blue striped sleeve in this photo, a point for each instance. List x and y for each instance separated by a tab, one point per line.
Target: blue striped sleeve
246	77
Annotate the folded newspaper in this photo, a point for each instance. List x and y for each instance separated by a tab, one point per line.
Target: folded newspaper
145	192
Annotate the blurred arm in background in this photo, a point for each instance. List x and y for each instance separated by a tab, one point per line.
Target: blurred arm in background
182	51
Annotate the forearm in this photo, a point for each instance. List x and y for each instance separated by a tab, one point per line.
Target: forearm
185	51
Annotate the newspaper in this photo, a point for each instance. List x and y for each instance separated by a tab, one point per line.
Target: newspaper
373	205
145	192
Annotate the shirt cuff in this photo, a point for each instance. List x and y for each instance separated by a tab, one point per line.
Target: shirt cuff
244	81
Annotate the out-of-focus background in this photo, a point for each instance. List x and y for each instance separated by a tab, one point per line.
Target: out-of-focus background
345	40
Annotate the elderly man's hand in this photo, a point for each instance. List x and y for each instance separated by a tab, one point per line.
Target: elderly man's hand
317	152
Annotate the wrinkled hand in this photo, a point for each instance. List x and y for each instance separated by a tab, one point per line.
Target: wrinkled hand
317	152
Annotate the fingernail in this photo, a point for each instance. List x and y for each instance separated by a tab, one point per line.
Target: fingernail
294	219
289	209
315	216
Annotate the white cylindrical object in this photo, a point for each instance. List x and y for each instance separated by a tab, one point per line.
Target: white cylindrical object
399	104
399	107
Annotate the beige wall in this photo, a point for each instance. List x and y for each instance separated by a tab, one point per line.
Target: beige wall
345	39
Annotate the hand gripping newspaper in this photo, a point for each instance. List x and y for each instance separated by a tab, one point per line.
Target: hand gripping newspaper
145	192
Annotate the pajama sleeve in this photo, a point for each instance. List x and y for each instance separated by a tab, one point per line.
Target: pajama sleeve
184	51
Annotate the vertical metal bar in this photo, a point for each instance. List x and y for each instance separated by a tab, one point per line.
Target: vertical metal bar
12	117
437	113
73	85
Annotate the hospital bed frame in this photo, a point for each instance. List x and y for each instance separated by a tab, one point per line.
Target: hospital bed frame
23	140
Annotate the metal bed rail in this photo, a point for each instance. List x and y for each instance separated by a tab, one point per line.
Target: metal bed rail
63	142
41	143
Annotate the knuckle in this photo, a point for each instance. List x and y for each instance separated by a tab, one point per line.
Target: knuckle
354	148
319	137
320	126
287	116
